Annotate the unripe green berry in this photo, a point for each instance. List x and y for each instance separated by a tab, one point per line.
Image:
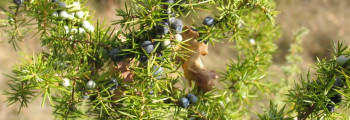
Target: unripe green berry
87	26
166	44
178	37
75	6
252	41
79	14
90	85
55	14
66	28
81	30
341	60
71	16
63	14
74	30
66	82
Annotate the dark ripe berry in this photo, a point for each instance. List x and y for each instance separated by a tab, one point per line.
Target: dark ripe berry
167	101
177	25
147	46
168	1
93	97
170	20
85	97
336	98
159	70
205	41
209	21
338	82
104	53
193	99
115	56
330	108
114	84
55	0
162	28
143	59
184	103
151	92
62	4
160	55
319	82
170	17
18	2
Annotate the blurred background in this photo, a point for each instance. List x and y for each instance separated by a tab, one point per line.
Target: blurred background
327	20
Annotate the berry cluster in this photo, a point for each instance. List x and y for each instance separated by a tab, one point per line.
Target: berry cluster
339	83
186	101
126	51
74	23
334	96
73	14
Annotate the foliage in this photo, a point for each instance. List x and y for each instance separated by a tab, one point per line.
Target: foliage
273	113
82	72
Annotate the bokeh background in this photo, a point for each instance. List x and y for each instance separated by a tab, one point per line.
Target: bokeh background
327	20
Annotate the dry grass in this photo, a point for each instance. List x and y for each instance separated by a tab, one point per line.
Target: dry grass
327	20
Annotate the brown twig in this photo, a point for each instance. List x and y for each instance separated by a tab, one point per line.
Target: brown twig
73	91
243	4
306	114
200	115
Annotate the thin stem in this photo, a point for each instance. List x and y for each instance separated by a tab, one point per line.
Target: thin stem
306	114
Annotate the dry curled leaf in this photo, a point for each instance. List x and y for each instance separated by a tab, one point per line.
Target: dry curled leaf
194	70
122	68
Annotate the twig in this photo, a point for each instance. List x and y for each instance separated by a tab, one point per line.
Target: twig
306	114
201	115
241	5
